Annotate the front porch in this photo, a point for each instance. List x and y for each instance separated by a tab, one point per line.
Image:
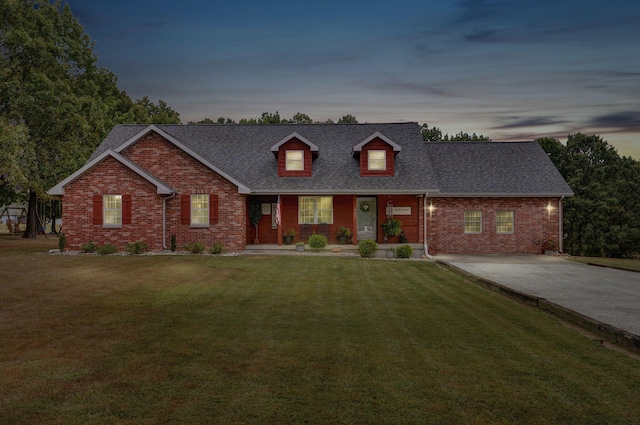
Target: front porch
346	250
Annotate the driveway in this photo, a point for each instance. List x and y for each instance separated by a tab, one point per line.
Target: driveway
607	295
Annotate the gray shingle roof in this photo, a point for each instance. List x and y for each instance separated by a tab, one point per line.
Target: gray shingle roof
244	153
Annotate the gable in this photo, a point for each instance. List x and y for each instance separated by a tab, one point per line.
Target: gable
184	146
161	188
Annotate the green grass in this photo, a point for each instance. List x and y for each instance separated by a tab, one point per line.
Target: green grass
288	340
617	263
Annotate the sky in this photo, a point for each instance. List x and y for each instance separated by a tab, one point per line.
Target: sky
510	70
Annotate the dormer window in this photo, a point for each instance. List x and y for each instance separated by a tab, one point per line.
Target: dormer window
295	156
377	155
377	160
294	160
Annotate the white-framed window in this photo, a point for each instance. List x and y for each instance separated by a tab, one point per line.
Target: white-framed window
473	221
315	209
504	221
199	210
377	160
112	210
294	160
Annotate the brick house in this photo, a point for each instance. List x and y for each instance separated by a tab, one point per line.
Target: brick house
197	182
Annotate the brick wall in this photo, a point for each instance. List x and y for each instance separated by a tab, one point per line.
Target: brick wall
174	168
533	224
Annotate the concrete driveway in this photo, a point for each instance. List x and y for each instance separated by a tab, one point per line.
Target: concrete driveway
607	295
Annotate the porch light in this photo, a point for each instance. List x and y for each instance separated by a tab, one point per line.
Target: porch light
431	208
549	209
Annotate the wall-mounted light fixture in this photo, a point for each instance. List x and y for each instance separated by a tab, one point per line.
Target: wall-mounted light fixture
549	209
431	208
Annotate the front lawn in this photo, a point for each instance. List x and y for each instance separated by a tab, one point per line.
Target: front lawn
288	340
617	263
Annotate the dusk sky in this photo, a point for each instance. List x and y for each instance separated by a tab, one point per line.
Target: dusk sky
508	69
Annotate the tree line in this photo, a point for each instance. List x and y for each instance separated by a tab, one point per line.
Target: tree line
602	218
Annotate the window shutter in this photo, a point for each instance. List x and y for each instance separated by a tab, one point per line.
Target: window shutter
185	209
213	209
126	209
97	209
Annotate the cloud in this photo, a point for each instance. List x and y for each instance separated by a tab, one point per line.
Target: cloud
517	122
620	122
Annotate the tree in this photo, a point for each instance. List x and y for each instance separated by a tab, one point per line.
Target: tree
269	118
348	119
430	134
466	137
434	134
601	218
16	160
146	112
301	119
51	86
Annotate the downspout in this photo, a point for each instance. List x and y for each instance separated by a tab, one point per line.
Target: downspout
164	219
560	226
424	215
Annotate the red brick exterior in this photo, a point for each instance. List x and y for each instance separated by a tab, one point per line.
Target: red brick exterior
534	224
174	168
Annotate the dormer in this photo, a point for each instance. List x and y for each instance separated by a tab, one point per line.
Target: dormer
295	156
377	155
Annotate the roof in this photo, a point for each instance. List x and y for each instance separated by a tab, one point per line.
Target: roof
243	155
495	169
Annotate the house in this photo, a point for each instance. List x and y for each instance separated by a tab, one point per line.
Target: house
197	181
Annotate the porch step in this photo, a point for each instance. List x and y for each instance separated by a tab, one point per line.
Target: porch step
273	249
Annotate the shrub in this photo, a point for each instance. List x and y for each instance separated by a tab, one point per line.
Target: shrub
62	241
367	248
217	248
317	242
194	247
107	249
89	247
404	251
173	242
138	247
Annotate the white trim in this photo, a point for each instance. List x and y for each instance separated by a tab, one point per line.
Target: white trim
396	147
241	187
276	147
162	189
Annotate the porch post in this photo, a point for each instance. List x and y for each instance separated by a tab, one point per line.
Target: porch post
354	237
279	219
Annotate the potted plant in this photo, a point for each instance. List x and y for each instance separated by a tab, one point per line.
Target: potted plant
343	234
300	246
255	215
288	235
392	227
391	253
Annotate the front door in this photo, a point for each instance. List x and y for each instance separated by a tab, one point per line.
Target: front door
366	218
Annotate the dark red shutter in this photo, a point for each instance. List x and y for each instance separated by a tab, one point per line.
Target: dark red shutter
126	209
97	209
185	209
213	209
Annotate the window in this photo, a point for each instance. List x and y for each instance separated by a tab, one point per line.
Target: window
199	210
315	209
473	221
504	221
294	161
377	160
112	210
